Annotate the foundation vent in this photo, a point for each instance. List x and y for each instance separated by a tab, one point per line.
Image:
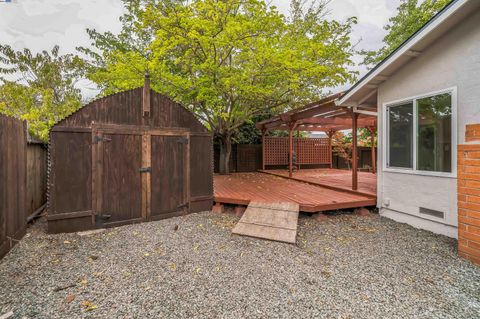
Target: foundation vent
432	212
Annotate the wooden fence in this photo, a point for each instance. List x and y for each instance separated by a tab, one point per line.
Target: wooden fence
22	180
36	176
244	158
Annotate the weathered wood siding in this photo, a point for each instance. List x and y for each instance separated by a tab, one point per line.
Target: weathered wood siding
13	210
36	176
90	167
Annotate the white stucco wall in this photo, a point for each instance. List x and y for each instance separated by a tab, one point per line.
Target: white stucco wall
453	61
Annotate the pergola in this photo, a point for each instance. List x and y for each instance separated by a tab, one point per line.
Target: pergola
325	116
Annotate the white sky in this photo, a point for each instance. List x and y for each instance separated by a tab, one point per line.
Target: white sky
40	24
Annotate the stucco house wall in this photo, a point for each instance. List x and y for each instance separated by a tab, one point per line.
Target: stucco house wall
453	61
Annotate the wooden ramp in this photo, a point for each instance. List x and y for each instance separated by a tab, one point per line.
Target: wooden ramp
273	221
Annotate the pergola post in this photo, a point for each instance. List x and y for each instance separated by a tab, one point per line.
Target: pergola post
354	151
373	130
297	144
290	148
264	132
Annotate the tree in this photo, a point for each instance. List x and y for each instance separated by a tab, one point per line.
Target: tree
44	90
342	146
410	17
228	61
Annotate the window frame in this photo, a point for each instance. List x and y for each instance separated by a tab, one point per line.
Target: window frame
386	134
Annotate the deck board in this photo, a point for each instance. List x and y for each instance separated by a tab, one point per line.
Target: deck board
367	182
241	188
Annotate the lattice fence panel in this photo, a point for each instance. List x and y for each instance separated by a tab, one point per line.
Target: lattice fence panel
276	151
309	150
312	150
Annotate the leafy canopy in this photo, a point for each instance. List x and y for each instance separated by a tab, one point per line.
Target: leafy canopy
44	90
229	61
410	17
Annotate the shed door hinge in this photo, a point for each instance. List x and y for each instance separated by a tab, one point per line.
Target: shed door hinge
183	205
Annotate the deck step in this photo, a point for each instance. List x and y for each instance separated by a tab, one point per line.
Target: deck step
273	221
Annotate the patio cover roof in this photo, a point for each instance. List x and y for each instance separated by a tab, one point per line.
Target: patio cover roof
323	115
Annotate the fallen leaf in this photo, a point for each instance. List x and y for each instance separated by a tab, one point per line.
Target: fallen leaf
66	242
84	282
146	254
69	298
173	266
88	305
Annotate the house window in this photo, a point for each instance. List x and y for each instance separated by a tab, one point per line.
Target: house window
400	129
419	134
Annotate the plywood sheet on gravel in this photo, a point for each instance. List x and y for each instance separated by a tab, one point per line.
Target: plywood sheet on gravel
273	221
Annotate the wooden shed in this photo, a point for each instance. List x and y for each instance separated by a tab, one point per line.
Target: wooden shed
129	157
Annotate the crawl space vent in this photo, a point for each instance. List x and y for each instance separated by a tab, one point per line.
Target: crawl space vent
431	212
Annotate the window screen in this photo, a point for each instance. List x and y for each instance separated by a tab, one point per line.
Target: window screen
400	132
434	133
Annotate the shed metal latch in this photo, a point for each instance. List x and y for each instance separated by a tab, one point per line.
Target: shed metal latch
183	140
98	139
145	169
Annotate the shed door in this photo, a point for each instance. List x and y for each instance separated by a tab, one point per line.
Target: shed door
170	172
118	182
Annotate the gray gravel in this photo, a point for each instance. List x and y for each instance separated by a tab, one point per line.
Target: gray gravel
344	267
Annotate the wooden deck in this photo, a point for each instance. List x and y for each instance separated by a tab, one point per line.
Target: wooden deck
336	178
241	188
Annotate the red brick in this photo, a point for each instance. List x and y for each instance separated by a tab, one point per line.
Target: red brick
468	235
362	212
473	244
218	208
239	210
469	191
469	221
462	197
469	250
468	147
473	259
462	227
471	199
469	206
473	214
471	169
469	176
471	184
472	229
468	162
463	241
472	154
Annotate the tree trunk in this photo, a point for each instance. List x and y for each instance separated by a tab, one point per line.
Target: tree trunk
225	152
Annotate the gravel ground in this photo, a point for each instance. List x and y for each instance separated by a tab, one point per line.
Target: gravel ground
342	267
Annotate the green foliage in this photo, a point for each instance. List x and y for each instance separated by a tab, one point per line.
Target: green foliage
410	17
44	91
228	61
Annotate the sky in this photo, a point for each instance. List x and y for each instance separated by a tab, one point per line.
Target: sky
40	24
